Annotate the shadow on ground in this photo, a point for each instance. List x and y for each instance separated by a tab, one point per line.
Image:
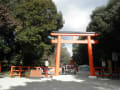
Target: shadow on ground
55	85
87	84
112	84
1	75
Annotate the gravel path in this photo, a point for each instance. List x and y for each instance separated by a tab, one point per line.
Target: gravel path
62	82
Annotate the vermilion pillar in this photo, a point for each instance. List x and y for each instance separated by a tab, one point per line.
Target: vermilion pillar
89	41
58	51
90	54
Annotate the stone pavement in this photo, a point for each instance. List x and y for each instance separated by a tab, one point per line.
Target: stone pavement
62	82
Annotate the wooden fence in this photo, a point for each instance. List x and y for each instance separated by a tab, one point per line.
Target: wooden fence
28	71
106	72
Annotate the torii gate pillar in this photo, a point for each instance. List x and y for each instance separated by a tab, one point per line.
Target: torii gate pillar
89	41
90	55
58	52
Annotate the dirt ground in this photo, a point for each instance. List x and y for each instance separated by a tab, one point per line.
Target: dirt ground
80	81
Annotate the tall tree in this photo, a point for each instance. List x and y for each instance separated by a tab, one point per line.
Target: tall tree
105	21
80	54
7	29
65	55
38	19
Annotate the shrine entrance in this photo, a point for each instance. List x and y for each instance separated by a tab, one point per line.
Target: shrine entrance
74	40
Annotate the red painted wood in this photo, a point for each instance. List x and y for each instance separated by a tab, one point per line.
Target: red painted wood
89	41
58	52
90	54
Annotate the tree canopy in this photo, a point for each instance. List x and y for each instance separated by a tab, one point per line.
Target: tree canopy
65	55
80	53
105	21
36	19
7	35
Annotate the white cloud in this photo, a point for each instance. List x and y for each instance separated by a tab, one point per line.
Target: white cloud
76	14
76	19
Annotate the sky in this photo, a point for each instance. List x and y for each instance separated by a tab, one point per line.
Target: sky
76	14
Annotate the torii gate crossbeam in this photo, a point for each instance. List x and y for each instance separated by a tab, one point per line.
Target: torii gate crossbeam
89	41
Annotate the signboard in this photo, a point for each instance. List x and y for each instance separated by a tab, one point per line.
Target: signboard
46	63
103	63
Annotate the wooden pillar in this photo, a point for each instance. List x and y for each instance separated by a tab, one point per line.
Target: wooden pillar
46	71
58	51
11	71
90	54
28	75
20	70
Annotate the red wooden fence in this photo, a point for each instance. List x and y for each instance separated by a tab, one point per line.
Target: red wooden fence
26	71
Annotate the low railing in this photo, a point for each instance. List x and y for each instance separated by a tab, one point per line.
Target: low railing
19	70
106	72
28	71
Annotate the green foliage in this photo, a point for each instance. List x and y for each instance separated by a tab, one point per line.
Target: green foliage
65	55
38	19
25	26
7	27
80	53
105	21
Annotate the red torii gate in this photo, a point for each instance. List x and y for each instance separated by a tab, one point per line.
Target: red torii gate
74	40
